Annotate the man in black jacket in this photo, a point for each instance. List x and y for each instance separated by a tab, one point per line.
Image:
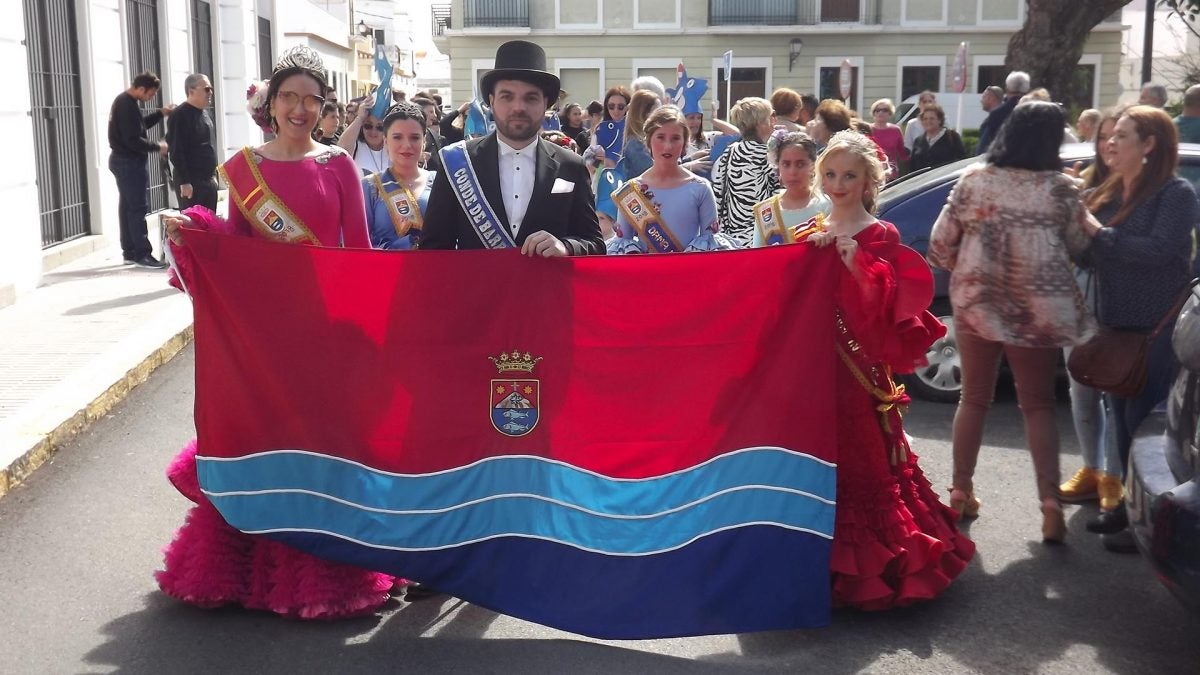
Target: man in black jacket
190	139
129	144
512	189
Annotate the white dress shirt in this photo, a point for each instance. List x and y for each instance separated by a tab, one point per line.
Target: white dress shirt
516	180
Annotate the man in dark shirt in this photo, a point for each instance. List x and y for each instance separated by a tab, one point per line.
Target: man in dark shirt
190	139
129	143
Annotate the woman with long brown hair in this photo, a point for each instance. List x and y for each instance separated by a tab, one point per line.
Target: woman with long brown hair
1143	259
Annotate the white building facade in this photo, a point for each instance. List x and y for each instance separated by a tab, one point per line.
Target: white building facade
73	57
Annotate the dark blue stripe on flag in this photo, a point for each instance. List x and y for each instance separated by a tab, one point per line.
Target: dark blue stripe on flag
750	579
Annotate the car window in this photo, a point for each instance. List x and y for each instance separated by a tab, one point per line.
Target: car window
914	217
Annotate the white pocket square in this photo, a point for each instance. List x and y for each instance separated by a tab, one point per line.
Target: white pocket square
562	186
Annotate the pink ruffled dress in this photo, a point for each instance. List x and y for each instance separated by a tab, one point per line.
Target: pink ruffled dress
209	563
894	542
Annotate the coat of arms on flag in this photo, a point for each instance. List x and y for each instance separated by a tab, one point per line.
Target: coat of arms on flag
514	402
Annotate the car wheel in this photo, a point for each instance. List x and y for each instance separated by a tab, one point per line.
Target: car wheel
941	380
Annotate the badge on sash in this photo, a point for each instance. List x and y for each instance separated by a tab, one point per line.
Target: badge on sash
514	400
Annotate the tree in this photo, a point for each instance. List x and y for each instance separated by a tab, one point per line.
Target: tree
1188	10
1050	43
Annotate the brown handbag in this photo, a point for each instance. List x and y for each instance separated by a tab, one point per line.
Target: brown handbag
1114	360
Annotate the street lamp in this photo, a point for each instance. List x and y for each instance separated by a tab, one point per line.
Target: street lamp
794	48
363	29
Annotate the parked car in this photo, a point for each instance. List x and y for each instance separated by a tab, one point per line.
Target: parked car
1163	481
912	203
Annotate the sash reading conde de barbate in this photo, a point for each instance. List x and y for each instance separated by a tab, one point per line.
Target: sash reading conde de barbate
465	183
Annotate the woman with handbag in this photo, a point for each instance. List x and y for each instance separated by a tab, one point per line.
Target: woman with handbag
1142	258
1013	292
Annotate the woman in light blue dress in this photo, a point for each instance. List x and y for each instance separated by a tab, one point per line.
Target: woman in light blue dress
667	209
396	197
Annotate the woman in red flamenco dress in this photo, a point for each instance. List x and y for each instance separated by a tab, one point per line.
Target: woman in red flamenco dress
294	190
894	542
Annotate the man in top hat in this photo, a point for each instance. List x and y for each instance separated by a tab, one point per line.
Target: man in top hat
511	189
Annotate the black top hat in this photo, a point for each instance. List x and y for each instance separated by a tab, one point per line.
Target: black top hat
524	61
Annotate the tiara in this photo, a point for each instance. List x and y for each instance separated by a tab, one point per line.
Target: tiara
410	109
302	57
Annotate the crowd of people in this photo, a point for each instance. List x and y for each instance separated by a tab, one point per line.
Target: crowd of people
1111	245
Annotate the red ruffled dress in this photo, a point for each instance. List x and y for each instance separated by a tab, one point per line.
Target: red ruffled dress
211	564
894	542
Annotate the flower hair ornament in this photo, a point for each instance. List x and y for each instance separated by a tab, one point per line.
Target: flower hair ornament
256	105
776	139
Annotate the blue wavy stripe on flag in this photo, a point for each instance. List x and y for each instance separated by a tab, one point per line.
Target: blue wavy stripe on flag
510	475
525	517
748	579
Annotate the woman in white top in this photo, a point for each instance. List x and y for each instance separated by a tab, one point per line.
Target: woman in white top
913	128
363	139
793	155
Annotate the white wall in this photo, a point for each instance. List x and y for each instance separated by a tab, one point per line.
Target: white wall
103	75
20	237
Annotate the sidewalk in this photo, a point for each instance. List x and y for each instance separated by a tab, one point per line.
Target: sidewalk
73	348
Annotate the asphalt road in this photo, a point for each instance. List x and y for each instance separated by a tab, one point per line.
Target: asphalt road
80	540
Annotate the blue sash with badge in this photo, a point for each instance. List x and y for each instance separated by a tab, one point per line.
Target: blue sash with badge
465	184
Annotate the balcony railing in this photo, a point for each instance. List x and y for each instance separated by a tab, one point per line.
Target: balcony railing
791	12
440	13
496	13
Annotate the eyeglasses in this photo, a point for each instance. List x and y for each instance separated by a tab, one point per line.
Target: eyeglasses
208	89
289	99
373	127
616	106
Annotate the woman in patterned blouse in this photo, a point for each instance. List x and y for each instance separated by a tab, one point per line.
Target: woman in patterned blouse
1013	292
742	177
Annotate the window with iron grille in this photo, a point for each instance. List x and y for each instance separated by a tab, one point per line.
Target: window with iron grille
57	112
202	51
141	21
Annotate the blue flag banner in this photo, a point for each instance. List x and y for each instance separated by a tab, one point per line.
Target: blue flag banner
383	95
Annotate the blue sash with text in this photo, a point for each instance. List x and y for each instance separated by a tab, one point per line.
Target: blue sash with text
470	196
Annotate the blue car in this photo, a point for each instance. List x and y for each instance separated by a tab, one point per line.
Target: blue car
913	203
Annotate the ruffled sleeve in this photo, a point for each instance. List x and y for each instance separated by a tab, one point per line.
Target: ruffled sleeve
868	299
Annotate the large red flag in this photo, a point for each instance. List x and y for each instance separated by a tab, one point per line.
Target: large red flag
622	447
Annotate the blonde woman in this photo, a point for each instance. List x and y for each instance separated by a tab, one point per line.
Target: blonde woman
894	543
742	177
635	157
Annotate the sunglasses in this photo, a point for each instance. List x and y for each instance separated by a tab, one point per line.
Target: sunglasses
376	127
881	110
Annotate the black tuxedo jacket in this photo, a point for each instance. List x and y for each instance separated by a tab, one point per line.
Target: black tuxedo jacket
570	216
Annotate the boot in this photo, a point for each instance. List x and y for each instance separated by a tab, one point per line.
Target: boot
1081	487
1111	491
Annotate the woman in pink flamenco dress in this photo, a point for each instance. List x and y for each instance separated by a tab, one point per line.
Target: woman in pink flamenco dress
209	563
894	542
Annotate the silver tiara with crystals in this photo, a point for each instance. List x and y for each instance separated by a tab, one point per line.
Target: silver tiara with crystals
305	58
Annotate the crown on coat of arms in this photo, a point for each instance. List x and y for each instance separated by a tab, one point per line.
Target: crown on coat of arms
514	362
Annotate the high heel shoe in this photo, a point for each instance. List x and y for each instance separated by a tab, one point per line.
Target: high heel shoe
966	504
1054	524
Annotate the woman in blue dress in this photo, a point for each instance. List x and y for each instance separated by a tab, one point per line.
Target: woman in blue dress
667	209
396	197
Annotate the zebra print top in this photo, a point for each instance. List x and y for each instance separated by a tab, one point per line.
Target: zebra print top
742	178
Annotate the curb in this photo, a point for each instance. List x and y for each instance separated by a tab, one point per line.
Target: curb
50	443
